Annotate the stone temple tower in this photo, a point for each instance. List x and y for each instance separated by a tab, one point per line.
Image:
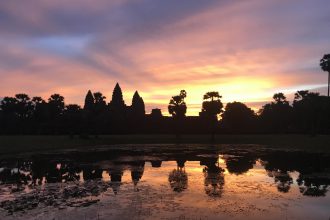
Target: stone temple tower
117	103
137	108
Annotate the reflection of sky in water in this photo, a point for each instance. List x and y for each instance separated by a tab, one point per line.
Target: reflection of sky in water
209	191
253	192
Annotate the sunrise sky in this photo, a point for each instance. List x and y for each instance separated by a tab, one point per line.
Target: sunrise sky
246	50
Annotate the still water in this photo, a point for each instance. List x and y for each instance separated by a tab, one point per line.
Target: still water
167	183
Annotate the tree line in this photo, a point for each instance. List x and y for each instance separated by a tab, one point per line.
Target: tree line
308	113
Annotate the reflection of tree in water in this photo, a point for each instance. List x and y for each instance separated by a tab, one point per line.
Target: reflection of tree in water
240	164
57	172
178	177
282	179
90	173
38	170
35	171
70	172
53	174
314	177
18	175
15	177
214	180
312	185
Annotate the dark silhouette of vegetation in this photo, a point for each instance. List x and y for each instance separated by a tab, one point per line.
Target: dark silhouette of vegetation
276	116
238	118
212	106
178	108
307	114
325	66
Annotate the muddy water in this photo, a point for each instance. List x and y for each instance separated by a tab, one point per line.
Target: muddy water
160	183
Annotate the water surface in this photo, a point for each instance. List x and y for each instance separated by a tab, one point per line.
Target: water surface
189	182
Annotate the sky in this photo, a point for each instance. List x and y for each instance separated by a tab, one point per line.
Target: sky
245	50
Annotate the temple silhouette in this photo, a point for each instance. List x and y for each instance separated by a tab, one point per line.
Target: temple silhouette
117	104
307	114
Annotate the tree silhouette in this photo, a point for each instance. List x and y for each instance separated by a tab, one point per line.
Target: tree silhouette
24	108
212	106
325	66
276	116
72	119
40	112
56	105
237	117
280	98
178	108
20	114
310	111
37	100
100	102
8	105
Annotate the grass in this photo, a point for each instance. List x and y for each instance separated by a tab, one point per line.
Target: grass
24	144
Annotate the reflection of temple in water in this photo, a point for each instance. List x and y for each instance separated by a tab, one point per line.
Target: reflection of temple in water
137	169
311	170
115	174
156	163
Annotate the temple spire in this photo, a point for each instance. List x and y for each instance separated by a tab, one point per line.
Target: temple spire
138	107
89	101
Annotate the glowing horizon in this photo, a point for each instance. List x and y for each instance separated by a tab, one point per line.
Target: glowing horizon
246	51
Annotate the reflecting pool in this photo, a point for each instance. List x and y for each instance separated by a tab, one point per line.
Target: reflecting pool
186	182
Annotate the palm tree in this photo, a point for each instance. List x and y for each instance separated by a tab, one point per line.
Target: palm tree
280	98
56	104
178	108
325	65
212	106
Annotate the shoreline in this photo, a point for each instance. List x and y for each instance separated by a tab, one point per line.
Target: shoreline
17	144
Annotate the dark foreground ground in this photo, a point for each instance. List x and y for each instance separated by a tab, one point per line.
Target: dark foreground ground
24	144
